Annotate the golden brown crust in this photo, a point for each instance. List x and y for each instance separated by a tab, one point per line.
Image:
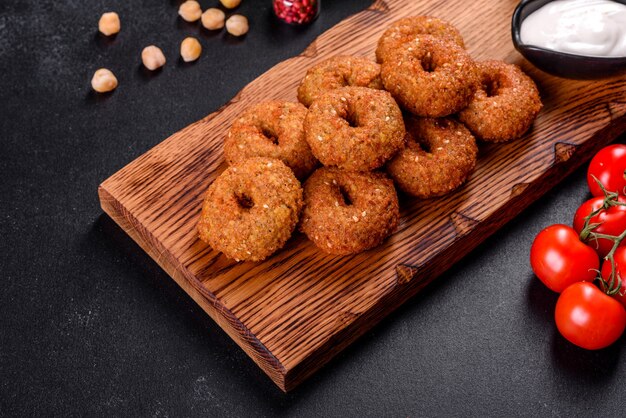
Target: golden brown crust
251	209
405	30
505	104
347	212
430	77
440	155
376	134
336	72
273	129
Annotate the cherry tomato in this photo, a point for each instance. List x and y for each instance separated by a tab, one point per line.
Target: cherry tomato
608	166
613	222
589	318
620	266
559	258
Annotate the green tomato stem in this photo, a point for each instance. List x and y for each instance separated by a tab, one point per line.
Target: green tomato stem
587	234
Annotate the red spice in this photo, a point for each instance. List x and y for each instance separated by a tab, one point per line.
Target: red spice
297	12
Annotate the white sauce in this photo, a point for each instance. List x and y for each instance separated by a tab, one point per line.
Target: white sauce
581	27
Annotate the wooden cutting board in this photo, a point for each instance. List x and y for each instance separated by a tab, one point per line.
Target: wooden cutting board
296	310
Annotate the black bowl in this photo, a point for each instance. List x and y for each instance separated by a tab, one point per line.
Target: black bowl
560	63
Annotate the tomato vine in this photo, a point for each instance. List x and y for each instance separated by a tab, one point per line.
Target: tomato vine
614	284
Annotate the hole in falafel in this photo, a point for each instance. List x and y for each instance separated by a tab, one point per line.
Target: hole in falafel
491	87
244	201
270	135
352	118
347	200
428	64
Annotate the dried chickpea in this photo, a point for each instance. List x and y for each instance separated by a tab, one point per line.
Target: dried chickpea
237	25
230	4
190	11
213	19
190	49
152	57
103	81
109	23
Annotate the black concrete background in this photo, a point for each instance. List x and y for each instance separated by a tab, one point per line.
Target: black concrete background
90	325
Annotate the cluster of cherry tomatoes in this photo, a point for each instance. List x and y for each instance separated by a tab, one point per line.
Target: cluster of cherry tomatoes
591	308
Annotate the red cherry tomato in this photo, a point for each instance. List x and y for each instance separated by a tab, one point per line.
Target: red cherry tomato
589	318
559	258
613	222
620	265
608	166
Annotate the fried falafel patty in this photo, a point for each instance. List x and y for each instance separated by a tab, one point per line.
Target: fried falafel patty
273	129
405	30
336	72
347	212
354	128
505	104
430	77
251	209
440	155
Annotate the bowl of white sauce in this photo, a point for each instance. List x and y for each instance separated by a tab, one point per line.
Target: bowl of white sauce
581	39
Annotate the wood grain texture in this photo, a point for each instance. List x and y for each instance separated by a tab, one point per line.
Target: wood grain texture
294	311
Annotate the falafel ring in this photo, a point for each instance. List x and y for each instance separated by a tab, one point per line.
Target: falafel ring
440	155
273	129
406	29
354	128
336	72
251	209
348	212
430	77
504	106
